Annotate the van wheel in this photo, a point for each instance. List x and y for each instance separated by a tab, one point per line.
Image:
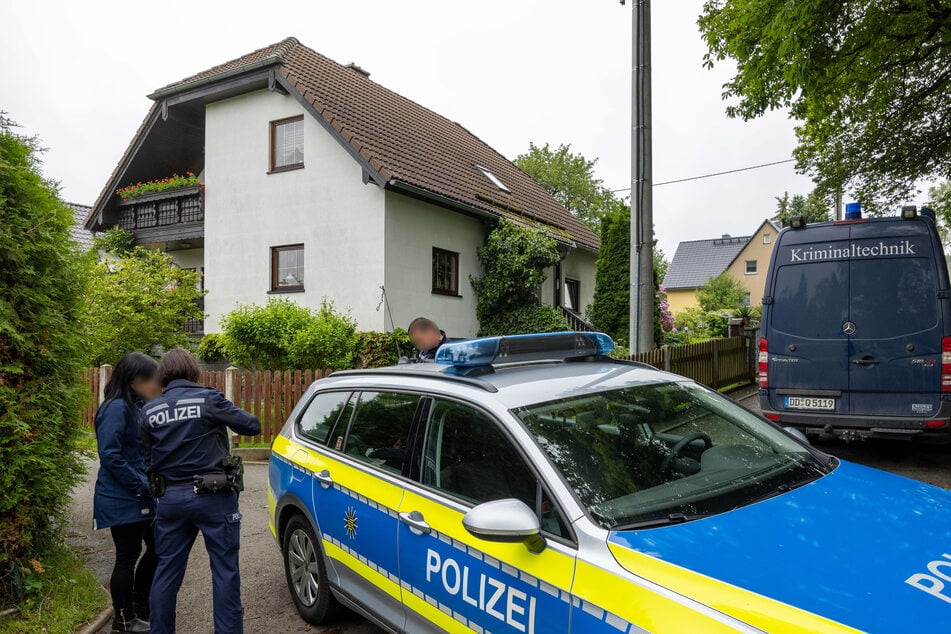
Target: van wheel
306	573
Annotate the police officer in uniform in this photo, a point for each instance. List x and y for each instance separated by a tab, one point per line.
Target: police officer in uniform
427	337
196	483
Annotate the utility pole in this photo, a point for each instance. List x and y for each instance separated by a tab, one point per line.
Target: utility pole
642	221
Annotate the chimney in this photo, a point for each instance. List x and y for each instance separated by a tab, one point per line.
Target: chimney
353	66
725	236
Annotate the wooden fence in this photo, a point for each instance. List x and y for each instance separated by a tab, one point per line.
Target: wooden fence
271	395
717	363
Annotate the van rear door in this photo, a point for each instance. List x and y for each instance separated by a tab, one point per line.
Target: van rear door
808	350
895	350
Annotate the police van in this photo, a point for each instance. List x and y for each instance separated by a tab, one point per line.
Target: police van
856	329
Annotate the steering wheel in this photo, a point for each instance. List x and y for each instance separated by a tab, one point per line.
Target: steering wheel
679	446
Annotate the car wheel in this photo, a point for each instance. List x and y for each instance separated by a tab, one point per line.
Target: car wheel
306	573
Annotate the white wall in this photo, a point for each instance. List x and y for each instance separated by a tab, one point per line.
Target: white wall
580	264
413	228
325	206
188	258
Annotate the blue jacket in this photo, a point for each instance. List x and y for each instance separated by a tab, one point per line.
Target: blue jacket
185	431
122	487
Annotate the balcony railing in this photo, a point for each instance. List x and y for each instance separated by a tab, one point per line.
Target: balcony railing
162	209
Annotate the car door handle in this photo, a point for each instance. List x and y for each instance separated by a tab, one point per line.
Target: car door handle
417	525
866	361
324	478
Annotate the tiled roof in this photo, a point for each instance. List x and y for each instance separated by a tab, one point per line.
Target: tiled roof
405	143
696	261
80	234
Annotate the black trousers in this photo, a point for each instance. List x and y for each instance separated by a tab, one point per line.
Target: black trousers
131	583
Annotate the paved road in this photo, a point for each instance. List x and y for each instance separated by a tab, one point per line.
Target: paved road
268	606
928	463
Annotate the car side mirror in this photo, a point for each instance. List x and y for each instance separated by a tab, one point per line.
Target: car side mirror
507	520
792	431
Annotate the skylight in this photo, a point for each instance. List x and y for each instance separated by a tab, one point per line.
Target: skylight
492	177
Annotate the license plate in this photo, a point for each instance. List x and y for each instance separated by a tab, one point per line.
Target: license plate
809	402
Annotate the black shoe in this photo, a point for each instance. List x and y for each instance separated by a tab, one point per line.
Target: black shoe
140	604
121	624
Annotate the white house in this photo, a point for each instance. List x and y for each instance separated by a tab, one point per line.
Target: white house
318	182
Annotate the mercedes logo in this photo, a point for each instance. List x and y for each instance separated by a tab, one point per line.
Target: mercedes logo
848	328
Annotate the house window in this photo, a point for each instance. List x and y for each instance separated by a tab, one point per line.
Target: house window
750	267
748	298
287	144
767	238
287	269
572	297
445	272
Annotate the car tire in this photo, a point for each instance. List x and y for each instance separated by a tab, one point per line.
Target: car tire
306	573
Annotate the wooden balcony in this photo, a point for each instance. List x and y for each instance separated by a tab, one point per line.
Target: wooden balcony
175	214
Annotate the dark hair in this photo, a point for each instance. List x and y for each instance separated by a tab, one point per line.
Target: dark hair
178	363
421	323
132	366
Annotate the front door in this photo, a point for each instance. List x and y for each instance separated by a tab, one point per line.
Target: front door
455	582
357	493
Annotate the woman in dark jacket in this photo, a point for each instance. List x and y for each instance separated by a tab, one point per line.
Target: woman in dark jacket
122	501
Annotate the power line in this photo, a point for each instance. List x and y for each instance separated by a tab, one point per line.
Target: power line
693	178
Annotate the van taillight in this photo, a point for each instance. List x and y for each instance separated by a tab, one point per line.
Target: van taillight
946	364
763	365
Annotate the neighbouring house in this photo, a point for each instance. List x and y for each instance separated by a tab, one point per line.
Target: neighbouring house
313	181
80	234
746	258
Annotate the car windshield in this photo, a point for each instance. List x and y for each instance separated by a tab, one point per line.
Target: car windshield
656	454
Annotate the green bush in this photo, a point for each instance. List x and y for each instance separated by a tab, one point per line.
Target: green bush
138	301
514	260
723	292
283	335
42	277
379	349
211	348
327	342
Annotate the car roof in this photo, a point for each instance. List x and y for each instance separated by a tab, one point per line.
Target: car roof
515	385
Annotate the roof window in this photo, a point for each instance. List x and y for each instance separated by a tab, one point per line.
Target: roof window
492	177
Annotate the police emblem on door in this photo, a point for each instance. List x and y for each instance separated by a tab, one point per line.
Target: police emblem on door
848	328
350	522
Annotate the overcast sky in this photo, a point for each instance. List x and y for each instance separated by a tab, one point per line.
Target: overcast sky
511	71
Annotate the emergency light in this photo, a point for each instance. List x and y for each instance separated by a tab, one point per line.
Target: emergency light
553	346
853	211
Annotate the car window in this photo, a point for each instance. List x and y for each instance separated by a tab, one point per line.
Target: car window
657	453
893	297
811	300
321	414
379	431
468	457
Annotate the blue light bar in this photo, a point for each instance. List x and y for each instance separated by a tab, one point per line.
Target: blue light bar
553	346
853	211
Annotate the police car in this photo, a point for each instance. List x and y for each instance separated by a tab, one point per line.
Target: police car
530	484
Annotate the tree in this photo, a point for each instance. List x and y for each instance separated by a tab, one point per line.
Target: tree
868	81
940	203
610	311
136	301
514	260
283	335
812	209
721	293
570	179
41	395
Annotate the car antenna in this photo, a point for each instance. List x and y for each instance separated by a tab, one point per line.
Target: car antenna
385	302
